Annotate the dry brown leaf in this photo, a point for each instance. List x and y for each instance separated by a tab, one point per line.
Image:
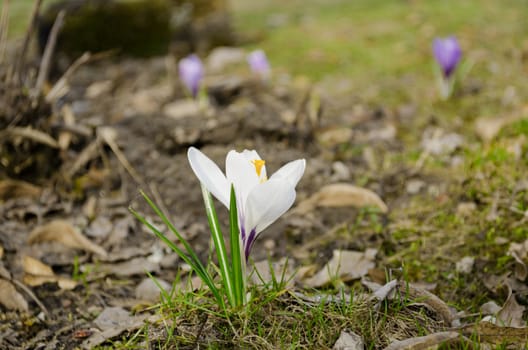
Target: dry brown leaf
341	195
10	298
114	321
385	291
344	265
424	343
491	333
63	232
15	188
33	266
349	341
487	128
428	298
135	266
519	251
36	273
62	282
511	313
4	273
521	270
490	308
335	136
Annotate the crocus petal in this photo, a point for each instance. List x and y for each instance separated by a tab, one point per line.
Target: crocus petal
292	171
258	63
210	175
191	73
251	156
266	203
242	174
447	53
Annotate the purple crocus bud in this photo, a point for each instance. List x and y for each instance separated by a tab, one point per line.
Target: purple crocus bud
447	53
258	62
191	73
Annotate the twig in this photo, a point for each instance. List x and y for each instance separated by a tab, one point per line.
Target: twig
108	136
200	331
301	109
31	134
65	136
20	62
48	53
87	154
61	86
33	296
4	26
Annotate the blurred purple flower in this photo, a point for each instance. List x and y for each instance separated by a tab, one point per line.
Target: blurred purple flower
191	73
258	62
447	53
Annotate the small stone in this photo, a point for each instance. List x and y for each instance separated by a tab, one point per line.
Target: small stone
100	227
465	265
181	109
269	244
148	290
437	141
490	308
222	57
349	341
414	186
111	317
340	171
466	208
169	261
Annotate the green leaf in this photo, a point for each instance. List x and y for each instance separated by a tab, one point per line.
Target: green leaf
237	259
219	243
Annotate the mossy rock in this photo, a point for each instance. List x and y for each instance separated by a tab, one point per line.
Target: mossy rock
138	27
202	8
200	25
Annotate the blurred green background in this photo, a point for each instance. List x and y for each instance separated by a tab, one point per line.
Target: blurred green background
357	38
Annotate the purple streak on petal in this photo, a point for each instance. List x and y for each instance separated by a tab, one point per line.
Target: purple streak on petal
258	62
191	73
242	231
249	243
447	53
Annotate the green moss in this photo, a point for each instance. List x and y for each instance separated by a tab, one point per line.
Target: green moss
140	28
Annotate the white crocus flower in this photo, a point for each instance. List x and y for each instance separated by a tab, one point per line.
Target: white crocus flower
260	201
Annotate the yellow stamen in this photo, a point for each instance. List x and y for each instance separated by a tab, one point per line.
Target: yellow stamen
258	163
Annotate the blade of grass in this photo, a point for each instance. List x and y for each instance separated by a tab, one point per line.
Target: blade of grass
219	243
236	253
173	229
203	270
193	260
